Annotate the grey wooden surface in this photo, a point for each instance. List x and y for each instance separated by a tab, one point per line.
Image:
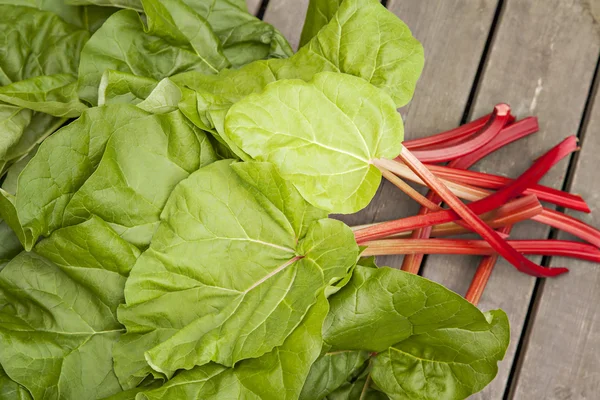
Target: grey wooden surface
541	61
562	352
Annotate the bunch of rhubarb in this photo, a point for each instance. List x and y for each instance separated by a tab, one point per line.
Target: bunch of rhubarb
442	162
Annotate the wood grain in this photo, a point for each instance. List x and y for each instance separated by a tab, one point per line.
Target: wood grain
561	357
287	16
253	6
453	34
541	63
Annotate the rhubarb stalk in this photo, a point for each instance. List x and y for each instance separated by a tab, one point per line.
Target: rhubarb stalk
470	217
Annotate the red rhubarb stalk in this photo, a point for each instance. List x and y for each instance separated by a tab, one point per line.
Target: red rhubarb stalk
490	181
470	217
514	211
509	134
461	132
483	273
570	225
561	248
500	117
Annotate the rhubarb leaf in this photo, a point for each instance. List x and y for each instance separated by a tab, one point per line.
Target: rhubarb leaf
52	46
322	135
59	323
431	343
450	363
9	244
247	265
331	371
160	50
91	167
363	39
11	390
52	94
124	87
277	375
319	13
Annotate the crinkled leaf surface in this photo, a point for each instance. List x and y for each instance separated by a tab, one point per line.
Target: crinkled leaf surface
331	371
124	88
277	375
247	265
9	244
92	167
59	321
160	50
322	135
36	43
431	343
11	390
87	17
319	13
52	94
40	54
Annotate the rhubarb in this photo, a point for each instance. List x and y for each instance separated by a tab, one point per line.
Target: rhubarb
500	117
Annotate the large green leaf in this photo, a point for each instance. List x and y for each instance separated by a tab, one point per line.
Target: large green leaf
89	17
277	375
431	343
9	244
243	37
13	122
162	49
331	371
247	265
52	94
36	43
364	39
319	13
322	135
59	324
92	167
40	54
11	390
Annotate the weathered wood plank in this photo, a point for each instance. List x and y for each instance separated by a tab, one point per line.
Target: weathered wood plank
287	16
541	63
561	359
453	34
253	6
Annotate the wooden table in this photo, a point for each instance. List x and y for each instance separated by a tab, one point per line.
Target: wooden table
541	57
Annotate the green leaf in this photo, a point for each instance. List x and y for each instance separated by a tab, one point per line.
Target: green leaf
432	343
53	46
322	135
11	390
319	13
382	51
124	44
92	167
124	88
39	128
277	375
215	225
13	122
131	4
163	99
331	371
447	363
59	323
9	244
52	94
89	18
